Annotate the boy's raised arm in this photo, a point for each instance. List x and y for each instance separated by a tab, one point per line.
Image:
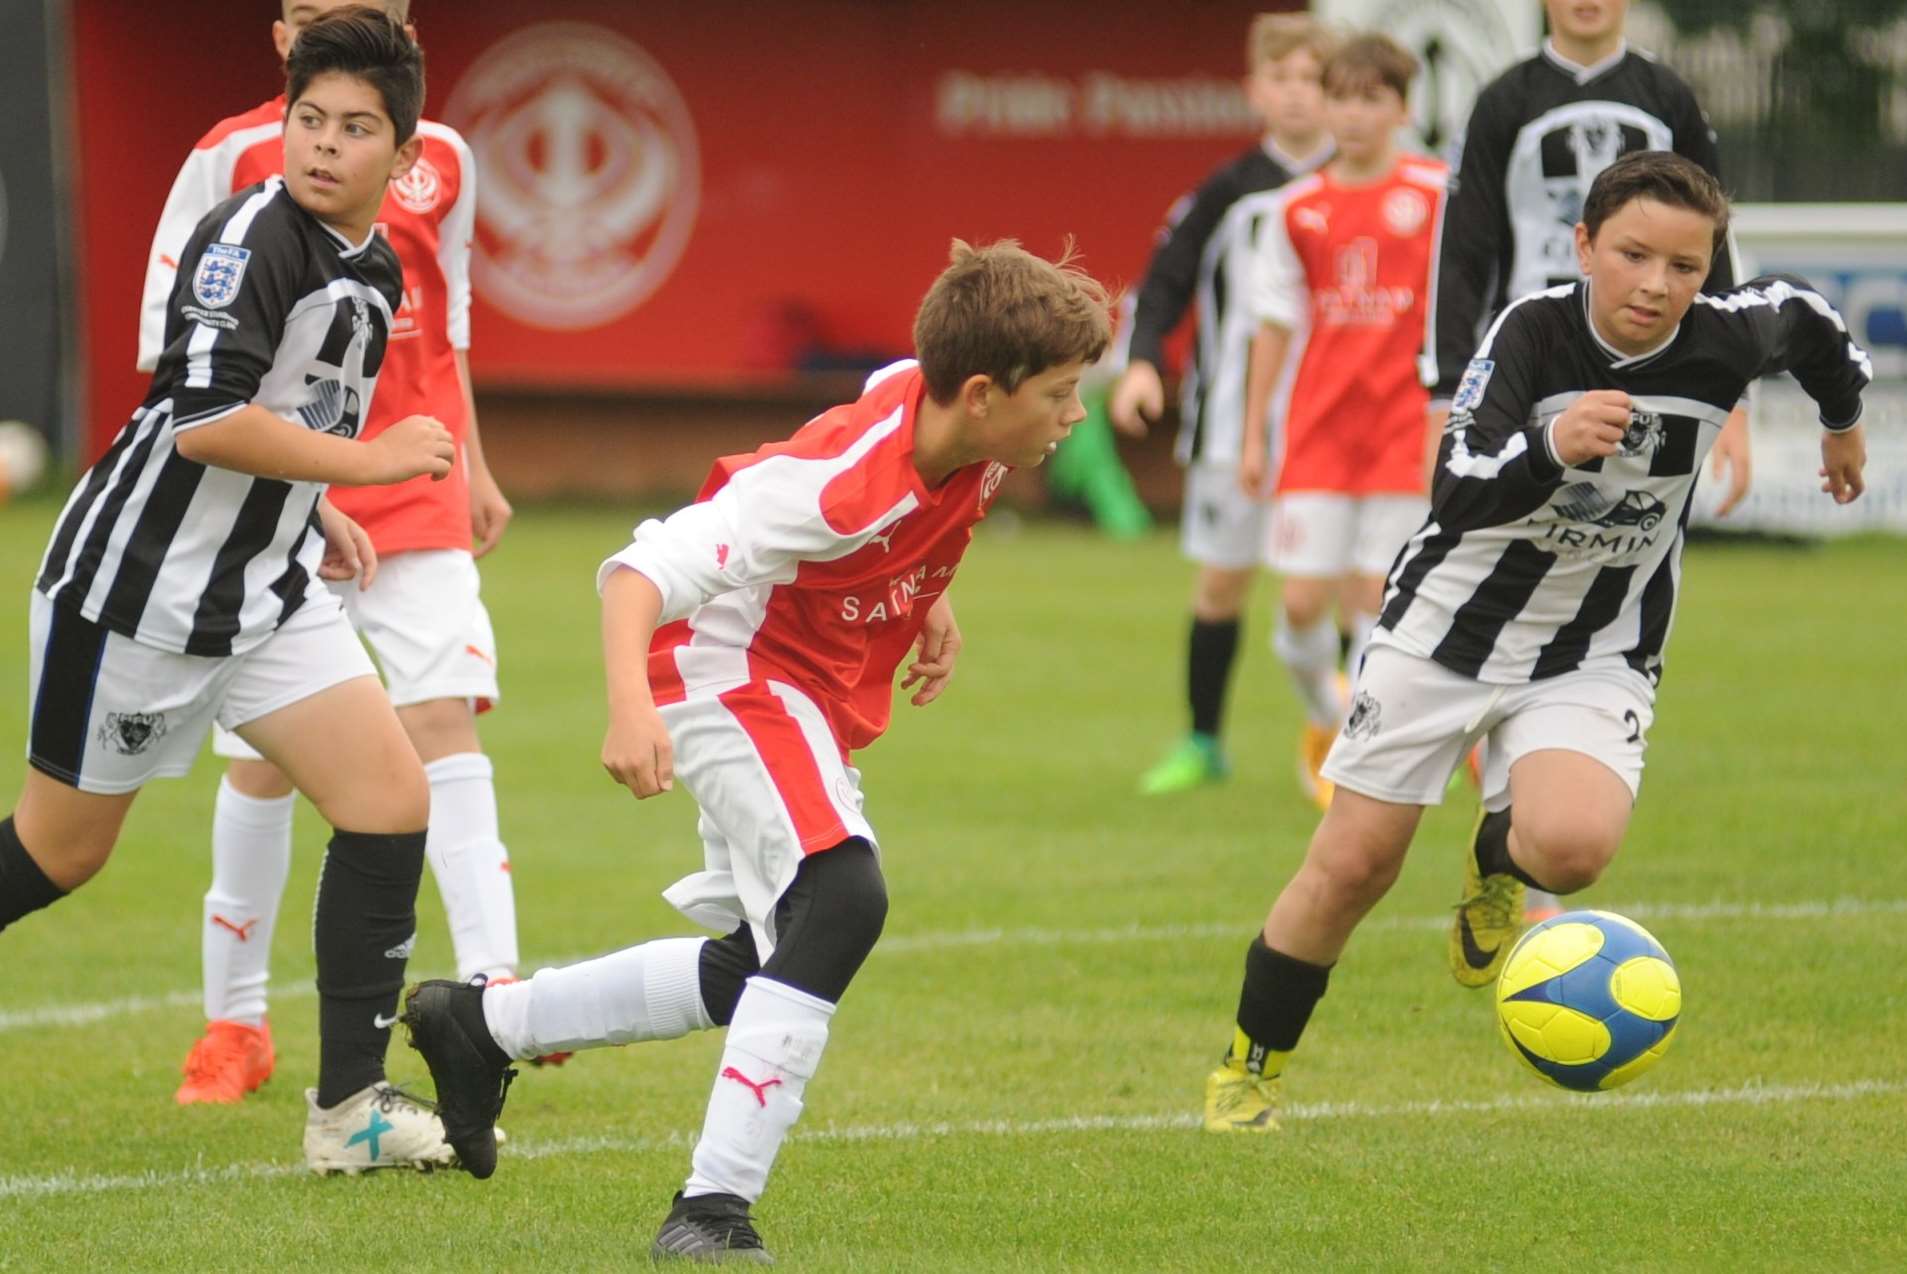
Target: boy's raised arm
1493	465
1792	328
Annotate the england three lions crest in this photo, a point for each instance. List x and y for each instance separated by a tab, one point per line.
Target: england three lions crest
1476	378
221	269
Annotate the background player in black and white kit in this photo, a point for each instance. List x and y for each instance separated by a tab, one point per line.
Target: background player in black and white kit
182	582
1203	260
1536	139
1533	606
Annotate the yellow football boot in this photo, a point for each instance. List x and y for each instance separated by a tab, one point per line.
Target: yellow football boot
1239	1099
1488	920
1314	744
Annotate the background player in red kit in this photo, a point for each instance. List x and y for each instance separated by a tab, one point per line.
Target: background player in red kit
423	618
1347	254
751	641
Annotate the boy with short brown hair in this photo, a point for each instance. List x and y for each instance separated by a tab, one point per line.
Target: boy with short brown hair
751	641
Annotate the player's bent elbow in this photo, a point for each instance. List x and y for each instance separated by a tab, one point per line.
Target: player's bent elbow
191	445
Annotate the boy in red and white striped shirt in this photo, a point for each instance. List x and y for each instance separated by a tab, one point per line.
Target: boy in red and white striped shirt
752	640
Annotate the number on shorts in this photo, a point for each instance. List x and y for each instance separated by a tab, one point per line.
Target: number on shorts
1634	723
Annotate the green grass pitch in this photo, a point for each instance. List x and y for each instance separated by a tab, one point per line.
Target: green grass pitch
1014	1079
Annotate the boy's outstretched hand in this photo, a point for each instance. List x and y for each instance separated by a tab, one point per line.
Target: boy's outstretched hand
1843	456
934	658
637	752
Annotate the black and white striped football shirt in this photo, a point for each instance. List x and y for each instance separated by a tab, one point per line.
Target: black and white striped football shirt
271	307
1203	260
1527	569
1537	138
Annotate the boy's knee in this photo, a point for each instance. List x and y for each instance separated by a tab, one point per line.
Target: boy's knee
1565	855
850	891
829	920
1220	593
1357	873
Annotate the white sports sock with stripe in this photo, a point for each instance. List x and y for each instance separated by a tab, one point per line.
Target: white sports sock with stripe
251	857
471	865
650	992
774	1046
1311	654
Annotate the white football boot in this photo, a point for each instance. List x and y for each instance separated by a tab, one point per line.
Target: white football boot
377	1127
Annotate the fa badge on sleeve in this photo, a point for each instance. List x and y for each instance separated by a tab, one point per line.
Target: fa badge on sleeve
1470	389
216	281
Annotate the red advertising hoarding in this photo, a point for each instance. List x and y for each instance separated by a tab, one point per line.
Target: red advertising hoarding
690	194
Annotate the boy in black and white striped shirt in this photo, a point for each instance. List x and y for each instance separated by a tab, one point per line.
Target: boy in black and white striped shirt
182	582
1533	606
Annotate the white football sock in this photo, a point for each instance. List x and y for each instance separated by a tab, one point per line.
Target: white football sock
1362	625
774	1046
650	992
251	857
471	865
1312	656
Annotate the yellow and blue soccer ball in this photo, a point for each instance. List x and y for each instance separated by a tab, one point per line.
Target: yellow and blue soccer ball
1588	1000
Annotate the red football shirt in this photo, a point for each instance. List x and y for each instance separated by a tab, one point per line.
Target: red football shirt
812	561
1354	262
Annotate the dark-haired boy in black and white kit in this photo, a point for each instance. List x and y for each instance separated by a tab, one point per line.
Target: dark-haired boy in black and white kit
1533	606
1536	139
183	583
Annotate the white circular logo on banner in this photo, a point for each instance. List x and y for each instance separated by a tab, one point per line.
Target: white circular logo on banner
420	188
590	174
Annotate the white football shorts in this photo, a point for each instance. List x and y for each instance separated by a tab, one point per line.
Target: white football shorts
109	714
1220	525
424	620
1412	722
773	787
1325	534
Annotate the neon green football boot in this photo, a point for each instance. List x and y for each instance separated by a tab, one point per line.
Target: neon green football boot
1195	762
1488	920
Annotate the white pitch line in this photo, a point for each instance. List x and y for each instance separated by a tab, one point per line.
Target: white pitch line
69	1183
87	1014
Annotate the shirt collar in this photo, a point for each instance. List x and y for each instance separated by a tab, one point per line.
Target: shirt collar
1576	70
1298	164
1617	359
345	247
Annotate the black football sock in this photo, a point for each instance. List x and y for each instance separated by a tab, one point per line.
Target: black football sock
364	927
1493	850
1208	671
1273	1007
24	888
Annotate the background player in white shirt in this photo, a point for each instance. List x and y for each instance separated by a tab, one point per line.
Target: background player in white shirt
424	620
182	581
1534	605
751	642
